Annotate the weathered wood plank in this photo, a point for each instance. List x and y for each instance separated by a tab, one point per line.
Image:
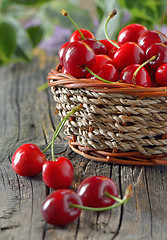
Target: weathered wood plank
28	116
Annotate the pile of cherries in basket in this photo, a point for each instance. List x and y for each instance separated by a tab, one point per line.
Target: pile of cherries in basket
139	56
63	205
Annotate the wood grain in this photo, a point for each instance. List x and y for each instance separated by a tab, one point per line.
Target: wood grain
27	115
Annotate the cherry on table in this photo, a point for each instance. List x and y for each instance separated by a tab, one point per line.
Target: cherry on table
92	191
56	208
131	33
28	160
58	174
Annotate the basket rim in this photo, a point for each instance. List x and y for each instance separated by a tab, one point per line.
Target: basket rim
117	158
56	78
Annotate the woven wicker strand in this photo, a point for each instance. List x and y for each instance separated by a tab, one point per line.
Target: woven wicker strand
119	123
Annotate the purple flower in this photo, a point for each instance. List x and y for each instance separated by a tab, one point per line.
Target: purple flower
162	28
60	35
31	23
126	17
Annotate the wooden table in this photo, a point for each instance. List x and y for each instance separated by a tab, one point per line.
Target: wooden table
27	115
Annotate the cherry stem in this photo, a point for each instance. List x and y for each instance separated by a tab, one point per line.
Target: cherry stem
95	75
142	65
58	129
126	198
111	15
106	194
65	13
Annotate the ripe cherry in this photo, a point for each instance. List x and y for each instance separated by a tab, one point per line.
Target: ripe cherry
76	56
110	47
128	54
61	52
76	36
142	78
93	191
149	37
112	52
56	208
131	33
107	72
161	75
28	160
160	51
58	174
101	60
64	71
97	46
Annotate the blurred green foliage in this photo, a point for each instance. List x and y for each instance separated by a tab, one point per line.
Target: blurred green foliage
18	41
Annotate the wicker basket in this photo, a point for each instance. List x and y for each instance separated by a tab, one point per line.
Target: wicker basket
118	123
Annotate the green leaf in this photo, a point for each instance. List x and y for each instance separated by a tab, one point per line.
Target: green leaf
30	2
148	12
4	4
7	40
162	11
23	42
35	34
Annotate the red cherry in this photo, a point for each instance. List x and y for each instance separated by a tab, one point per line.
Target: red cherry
107	72
28	160
58	174
76	56
92	191
101	60
142	78
76	36
154	83
131	33
150	71
128	54
109	46
112	52
56	208
97	46
61	52
161	75
149	37
159	50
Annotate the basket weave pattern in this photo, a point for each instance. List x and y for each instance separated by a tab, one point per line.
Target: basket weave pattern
123	123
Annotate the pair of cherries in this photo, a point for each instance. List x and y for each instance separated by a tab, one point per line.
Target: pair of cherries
94	193
139	56
28	161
